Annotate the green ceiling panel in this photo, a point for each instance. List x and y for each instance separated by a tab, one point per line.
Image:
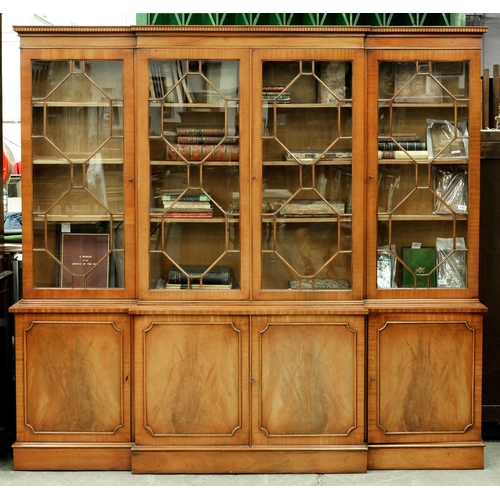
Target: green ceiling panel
395	19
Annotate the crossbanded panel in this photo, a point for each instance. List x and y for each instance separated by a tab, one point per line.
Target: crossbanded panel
426	378
308	374
192	379
73	378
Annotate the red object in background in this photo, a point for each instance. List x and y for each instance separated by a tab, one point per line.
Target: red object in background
5	167
17	168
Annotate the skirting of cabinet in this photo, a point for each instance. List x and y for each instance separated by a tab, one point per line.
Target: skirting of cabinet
440	456
72	456
249	460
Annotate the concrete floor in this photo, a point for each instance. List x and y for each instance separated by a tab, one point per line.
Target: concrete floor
489	476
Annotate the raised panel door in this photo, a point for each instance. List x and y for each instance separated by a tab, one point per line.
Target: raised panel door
74	375
191	380
424	378
307	380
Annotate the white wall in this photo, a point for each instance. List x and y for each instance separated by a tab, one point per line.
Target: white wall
491	41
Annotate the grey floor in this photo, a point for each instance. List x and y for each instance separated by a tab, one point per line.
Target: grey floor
489	476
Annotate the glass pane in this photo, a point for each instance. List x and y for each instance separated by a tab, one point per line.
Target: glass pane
307	175
78	194
194	164
422	174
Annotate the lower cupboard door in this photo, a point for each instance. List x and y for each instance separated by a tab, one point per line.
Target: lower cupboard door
424	378
191	380
307	375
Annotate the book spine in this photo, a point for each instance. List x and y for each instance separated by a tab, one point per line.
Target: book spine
199	139
210	278
273	88
186	197
402	155
200	152
408	145
188	215
201	132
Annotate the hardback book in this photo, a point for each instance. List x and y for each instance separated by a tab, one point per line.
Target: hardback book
315	155
320	284
312	208
86	258
280	98
188	215
186	197
408	145
201	131
402	155
200	139
200	152
217	275
174	286
421	261
188	206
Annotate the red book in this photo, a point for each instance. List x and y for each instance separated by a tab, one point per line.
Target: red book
200	152
86	258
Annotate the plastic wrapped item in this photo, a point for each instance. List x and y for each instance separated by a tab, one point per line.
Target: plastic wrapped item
452	273
444	141
386	267
450	186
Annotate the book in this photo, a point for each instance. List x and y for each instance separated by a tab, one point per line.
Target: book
202	152
273	88
313	207
313	156
185	197
421	261
408	145
85	256
402	155
319	284
201	131
178	286
200	139
280	98
217	275
188	215
188	206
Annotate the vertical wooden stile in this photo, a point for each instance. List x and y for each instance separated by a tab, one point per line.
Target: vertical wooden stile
486	99
496	91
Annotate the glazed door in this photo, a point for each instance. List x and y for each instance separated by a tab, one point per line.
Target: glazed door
424	175
80	175
307	194
194	107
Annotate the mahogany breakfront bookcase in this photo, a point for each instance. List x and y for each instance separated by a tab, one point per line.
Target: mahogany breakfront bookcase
249	249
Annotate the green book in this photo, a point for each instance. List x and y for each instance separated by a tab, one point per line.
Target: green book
421	261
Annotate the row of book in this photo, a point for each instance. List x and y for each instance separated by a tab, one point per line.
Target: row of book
442	266
194	205
203	143
276	93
